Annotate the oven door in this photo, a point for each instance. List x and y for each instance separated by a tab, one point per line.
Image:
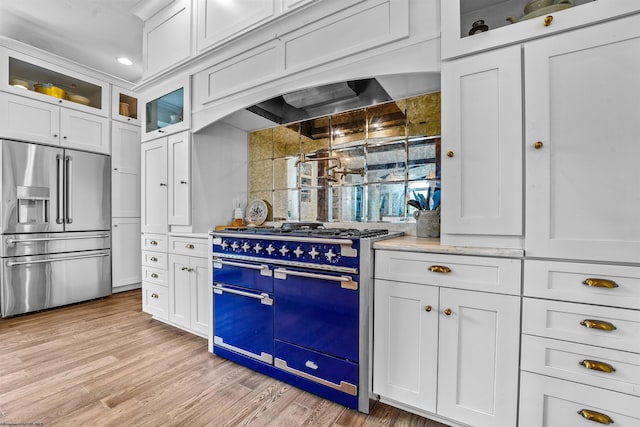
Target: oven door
243	273
243	321
317	310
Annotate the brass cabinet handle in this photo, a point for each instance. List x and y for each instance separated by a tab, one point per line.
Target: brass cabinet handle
154	275
153	259
598	324
154	295
190	246
597	366
600	283
439	269
538	145
448	311
427	308
153	243
595	416
548	20
450	154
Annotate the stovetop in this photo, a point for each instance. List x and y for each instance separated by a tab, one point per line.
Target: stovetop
309	229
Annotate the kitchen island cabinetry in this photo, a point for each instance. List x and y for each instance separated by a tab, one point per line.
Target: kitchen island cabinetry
36	121
441	349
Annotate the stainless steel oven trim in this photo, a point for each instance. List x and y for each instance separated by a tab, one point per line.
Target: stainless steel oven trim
263	297
11	241
264	357
40	261
346	281
345	244
325	267
344	387
264	269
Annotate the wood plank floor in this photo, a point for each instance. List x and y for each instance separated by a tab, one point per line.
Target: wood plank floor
105	362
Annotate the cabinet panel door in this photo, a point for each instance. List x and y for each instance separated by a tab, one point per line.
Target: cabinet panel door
179	147
406	343
582	93
200	295
482	136
179	290
478	358
125	175
84	131
125	252
166	37
29	120
154	186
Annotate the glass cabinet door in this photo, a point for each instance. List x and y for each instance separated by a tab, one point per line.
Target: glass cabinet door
167	110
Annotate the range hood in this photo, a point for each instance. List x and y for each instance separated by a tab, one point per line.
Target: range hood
321	101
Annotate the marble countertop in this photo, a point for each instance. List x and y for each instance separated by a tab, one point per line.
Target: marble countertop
432	245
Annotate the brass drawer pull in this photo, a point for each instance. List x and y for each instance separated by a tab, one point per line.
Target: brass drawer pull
548	20
427	308
598	324
600	283
597	366
450	154
448	311
538	145
190	246
439	269
154	276
595	416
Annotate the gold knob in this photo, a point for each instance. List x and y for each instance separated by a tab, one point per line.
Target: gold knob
154	295
597	366
600	283
427	308
439	269
538	145
548	20
190	246
448	311
154	275
450	154
598	324
595	416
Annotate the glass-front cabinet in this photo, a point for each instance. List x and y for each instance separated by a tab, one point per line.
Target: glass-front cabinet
167	109
124	106
30	77
474	25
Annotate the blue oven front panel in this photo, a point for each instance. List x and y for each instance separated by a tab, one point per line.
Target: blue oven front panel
244	274
316	312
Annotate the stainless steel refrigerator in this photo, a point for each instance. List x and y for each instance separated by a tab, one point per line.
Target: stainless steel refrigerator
55	218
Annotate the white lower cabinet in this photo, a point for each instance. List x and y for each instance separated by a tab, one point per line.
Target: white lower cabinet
155	300
447	352
155	292
125	252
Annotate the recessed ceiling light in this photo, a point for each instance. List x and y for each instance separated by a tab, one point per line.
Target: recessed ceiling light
125	61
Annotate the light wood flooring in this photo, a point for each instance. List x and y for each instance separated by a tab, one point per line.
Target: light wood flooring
107	363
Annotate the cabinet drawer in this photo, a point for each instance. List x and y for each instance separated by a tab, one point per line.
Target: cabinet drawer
567	321
154	275
550	402
600	367
154	259
501	275
155	300
154	242
192	246
613	285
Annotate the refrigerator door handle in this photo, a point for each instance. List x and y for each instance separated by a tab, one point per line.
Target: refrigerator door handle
59	191
11	241
69	192
40	261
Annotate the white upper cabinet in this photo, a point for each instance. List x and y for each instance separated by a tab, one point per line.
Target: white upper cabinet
154	183
167	38
179	170
124	106
459	16
294	4
125	174
482	146
218	21
167	109
581	143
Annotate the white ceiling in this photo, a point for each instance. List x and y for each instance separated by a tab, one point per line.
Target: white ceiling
91	32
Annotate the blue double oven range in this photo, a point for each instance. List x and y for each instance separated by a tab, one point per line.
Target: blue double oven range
293	303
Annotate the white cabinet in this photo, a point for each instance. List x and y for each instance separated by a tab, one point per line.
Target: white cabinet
167	109
445	351
125	173
124	106
155	284
482	149
581	148
125	250
167	38
166	188
36	121
458	17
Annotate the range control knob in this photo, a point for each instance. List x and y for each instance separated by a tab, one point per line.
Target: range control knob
258	247
299	252
235	245
224	244
246	247
314	252
270	249
330	255
284	250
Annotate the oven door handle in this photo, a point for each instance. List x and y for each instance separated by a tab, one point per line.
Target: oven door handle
346	282
264	269
263	297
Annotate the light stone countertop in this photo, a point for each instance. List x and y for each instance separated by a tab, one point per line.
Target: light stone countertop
193	235
432	245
